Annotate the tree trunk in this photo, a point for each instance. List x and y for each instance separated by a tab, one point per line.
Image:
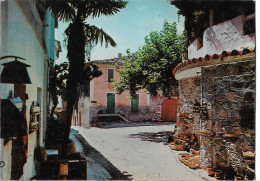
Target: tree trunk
55	103
76	56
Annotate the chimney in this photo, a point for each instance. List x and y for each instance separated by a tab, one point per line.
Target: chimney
119	55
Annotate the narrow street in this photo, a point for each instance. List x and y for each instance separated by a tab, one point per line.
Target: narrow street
130	151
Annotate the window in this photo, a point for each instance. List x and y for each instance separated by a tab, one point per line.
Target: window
110	75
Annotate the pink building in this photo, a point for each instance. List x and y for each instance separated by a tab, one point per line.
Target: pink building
99	100
104	99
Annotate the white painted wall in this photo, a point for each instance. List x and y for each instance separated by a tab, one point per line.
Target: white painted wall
5	156
19	38
192	72
225	36
29	167
83	109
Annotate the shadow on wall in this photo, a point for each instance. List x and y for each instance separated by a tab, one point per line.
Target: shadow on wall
247	113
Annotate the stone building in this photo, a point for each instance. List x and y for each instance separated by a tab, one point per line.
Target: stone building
217	84
26	32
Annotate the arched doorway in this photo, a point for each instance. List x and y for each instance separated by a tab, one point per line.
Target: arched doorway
169	109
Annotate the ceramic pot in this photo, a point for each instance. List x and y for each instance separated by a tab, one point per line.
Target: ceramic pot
218	174
180	147
211	171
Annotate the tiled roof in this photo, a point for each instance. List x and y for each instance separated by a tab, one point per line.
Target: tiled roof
109	61
209	58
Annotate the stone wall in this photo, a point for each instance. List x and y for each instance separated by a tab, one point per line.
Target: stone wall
156	107
125	111
151	112
189	93
228	92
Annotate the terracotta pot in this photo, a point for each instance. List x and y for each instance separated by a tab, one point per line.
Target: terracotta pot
211	171
195	152
177	141
218	174
194	164
173	147
180	147
192	137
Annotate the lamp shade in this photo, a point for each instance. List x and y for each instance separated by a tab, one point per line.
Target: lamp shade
15	72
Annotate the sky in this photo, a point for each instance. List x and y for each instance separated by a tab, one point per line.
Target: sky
128	27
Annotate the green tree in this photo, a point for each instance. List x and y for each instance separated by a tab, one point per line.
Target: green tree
80	34
57	84
151	66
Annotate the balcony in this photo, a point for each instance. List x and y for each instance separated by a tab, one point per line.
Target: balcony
234	34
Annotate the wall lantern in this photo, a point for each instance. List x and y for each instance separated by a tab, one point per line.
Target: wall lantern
197	80
15	72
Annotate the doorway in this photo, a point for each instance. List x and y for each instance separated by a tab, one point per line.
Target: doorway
169	109
110	103
135	104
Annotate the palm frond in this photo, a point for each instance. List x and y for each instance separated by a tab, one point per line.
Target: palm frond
62	9
94	34
104	7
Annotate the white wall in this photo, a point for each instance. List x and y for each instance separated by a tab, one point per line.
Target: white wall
18	38
225	36
5	156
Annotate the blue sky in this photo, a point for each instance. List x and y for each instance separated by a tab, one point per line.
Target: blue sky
128	27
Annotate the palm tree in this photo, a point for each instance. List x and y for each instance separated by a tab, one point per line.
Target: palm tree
80	33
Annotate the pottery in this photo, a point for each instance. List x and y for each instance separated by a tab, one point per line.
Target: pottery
192	137
177	141
180	147
211	171
218	174
194	164
195	152
173	147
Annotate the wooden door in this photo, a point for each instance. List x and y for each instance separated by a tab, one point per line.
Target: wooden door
135	104
169	109
111	103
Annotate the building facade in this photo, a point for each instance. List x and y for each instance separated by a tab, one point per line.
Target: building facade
217	84
26	31
102	101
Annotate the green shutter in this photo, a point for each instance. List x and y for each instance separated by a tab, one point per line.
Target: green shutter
111	103
135	104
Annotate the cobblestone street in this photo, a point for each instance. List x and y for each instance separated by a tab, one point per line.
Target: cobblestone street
125	149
